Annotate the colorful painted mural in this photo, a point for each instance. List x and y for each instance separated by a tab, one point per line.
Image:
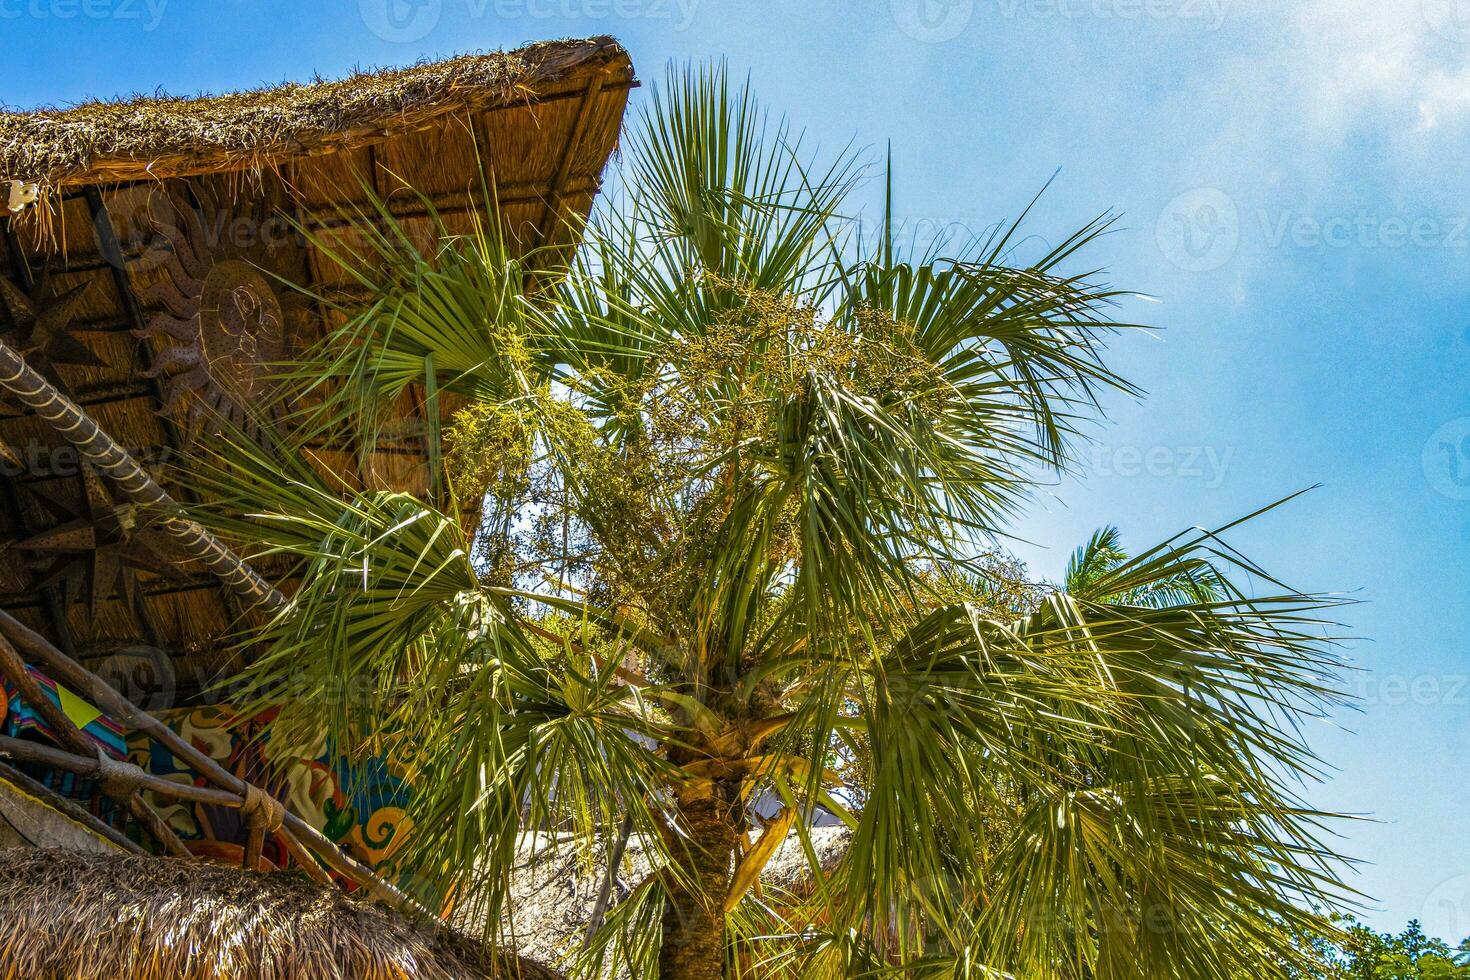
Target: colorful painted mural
360	807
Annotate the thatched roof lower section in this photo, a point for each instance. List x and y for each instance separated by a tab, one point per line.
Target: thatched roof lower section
72	915
159	137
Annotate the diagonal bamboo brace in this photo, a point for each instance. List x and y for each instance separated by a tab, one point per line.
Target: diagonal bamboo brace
102	451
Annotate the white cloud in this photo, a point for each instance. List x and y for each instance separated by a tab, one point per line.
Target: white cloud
1446	98
1315	90
1402	61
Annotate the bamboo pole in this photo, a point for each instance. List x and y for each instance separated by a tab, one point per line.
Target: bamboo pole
67	808
24	750
103	452
33	752
304	858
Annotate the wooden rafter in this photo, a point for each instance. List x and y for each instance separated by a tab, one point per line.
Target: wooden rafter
55	612
112	254
16	255
50	602
559	185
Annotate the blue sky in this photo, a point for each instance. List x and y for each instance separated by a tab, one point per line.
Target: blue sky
1295	199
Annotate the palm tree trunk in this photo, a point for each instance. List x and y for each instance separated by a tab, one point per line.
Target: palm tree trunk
694	920
103	452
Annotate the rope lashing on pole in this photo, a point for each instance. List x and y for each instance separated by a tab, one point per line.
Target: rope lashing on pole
74	425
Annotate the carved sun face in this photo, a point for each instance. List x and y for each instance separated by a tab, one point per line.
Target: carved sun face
232	332
241	327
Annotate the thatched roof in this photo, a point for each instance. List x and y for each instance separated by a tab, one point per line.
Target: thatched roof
71	915
144	281
145	199
161	136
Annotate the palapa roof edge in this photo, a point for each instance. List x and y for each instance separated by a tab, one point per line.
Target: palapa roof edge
160	136
69	914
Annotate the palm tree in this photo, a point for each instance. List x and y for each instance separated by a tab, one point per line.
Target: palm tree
741	470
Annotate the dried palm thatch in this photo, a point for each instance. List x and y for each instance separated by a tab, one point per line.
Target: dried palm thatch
71	915
161	136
